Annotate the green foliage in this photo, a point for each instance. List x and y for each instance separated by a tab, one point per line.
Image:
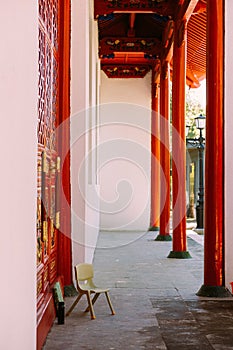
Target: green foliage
193	110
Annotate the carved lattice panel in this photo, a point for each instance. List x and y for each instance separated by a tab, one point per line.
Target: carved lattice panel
41	89
55	10
48	72
48	96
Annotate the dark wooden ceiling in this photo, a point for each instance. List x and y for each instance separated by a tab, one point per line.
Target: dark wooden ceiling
134	34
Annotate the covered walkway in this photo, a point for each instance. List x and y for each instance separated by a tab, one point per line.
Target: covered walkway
154	298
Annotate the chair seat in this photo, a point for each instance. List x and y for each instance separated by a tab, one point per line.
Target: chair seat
96	290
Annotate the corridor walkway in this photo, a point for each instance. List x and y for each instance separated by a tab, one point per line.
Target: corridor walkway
154	298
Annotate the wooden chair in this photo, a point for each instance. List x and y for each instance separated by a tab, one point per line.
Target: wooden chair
84	278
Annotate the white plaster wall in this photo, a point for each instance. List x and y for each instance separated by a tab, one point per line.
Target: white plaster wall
84	113
125	153
18	142
228	144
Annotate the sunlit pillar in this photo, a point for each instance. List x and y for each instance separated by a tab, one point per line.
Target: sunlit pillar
178	143
164	155
155	154
214	210
64	234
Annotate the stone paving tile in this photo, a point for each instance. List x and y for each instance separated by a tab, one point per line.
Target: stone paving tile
154	298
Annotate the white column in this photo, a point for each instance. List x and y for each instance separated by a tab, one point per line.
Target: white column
84	91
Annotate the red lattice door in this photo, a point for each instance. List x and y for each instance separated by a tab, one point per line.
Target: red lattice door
48	160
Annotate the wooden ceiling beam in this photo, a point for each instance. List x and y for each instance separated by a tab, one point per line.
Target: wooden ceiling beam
110	45
168	42
185	9
131	31
125	70
133	59
164	8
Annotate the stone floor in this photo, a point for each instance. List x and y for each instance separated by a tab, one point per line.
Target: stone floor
154	298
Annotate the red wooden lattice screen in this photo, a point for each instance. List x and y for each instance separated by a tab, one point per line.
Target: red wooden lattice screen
48	100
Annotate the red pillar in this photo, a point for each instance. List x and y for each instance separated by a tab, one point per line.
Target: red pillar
164	155
155	154
178	143
64	234
214	173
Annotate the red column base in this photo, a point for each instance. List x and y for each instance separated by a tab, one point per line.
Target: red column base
153	228
179	255
163	238
214	292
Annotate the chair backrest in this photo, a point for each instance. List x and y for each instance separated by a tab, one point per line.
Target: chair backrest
84	272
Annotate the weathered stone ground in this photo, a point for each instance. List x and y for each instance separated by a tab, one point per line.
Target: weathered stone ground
154	298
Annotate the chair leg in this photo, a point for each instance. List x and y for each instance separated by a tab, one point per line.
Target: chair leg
93	301
95	298
109	303
73	305
90	305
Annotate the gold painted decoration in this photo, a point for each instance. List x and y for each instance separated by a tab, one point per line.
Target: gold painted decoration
44	163
57	223
39	251
45	231
38	220
110	45
52	266
46	275
44	197
52	234
39	286
125	71
58	163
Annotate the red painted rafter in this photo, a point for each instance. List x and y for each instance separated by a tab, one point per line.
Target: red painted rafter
129	58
